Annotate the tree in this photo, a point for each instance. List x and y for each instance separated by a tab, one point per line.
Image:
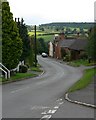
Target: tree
25	39
92	44
42	46
31	58
11	42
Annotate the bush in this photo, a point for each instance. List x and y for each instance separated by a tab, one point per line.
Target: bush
23	68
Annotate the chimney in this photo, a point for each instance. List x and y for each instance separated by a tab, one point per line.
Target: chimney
62	36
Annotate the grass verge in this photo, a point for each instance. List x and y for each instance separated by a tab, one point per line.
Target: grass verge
36	69
77	63
17	76
84	81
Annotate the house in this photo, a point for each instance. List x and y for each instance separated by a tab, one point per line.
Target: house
62	46
50	49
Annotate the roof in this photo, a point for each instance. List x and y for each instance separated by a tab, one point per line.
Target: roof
66	43
79	44
75	44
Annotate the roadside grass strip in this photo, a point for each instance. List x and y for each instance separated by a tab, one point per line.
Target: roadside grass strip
84	81
36	69
18	76
77	63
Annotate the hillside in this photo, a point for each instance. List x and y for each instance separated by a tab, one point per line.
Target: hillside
81	25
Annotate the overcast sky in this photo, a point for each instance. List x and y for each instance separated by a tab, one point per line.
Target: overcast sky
46	11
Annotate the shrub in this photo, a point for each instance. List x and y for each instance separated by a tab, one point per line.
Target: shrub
23	68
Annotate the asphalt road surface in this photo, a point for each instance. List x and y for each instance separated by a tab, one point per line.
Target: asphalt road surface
43	96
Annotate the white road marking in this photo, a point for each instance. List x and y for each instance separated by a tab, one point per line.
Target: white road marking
59	100
48	114
43	113
46	117
19	90
39	107
61	103
56	107
51	111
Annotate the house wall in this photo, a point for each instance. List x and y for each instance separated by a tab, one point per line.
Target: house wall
57	48
57	51
50	49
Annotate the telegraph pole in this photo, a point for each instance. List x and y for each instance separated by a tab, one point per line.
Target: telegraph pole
35	46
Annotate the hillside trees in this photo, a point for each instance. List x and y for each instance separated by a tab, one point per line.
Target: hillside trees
11	41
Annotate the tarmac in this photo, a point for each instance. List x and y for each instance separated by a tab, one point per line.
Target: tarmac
84	96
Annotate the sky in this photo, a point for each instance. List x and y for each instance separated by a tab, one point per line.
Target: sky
36	12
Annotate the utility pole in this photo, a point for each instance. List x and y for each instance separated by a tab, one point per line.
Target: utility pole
35	46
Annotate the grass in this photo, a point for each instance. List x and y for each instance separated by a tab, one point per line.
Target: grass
84	81
36	69
46	37
40	34
77	63
18	76
37	33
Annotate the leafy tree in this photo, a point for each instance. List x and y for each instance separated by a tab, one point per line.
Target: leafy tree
92	43
11	42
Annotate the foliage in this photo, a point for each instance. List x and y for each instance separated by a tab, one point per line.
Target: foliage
42	46
23	68
67	56
92	44
11	42
68	24
25	39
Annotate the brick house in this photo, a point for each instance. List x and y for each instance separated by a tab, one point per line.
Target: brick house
61	46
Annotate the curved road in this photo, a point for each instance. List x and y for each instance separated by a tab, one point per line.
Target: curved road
43	96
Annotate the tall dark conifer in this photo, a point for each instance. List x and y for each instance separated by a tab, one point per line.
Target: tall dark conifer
11	41
25	39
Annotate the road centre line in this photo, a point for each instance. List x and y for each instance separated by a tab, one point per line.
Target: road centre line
20	89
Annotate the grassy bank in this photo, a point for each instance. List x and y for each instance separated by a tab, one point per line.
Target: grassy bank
84	81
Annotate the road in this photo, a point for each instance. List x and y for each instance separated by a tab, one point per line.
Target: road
43	96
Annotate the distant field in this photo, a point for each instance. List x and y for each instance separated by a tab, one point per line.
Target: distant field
37	33
41	34
46	37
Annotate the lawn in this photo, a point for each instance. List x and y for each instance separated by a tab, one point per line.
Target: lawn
84	81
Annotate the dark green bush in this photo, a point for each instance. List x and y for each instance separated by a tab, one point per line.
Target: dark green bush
23	68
